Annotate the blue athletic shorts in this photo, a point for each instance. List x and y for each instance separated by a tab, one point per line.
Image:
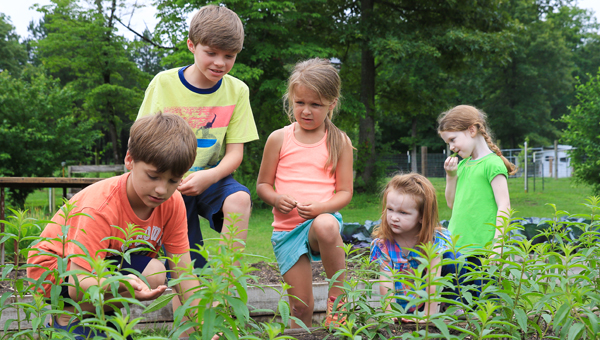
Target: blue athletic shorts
288	246
209	205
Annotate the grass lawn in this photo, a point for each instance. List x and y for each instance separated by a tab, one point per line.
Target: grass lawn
368	207
364	207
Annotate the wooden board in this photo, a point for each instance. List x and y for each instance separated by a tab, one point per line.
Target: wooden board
46	182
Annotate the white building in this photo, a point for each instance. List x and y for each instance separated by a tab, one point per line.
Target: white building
548	167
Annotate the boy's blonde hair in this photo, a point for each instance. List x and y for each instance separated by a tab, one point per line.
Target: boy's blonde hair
461	117
321	77
165	141
218	27
423	193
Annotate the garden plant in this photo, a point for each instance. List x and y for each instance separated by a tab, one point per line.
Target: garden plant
525	289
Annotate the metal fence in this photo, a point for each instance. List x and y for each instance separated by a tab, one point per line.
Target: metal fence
402	163
538	167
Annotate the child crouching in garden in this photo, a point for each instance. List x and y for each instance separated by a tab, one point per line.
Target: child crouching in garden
306	175
409	220
161	149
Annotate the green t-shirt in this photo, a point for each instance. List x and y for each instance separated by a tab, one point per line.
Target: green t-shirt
474	202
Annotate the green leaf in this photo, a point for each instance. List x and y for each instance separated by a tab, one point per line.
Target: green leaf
284	311
594	321
239	308
575	330
521	319
560	315
208	326
441	325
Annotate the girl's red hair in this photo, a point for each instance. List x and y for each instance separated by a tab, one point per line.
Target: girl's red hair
423	192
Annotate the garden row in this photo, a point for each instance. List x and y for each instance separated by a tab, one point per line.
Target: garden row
530	290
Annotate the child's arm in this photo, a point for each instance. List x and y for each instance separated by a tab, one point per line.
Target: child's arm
343	188
141	291
432	308
197	182
266	175
386	283
500	188
185	287
451	167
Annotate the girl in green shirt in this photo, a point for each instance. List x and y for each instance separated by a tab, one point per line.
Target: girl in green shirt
476	188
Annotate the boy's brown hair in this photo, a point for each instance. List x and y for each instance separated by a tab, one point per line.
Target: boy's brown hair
219	27
165	141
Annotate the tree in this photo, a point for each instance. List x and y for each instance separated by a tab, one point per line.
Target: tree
40	127
582	122
82	49
12	54
525	95
277	35
399	56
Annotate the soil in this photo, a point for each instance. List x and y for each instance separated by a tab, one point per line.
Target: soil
267	274
5	285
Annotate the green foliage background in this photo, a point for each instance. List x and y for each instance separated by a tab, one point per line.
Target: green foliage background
402	63
582	132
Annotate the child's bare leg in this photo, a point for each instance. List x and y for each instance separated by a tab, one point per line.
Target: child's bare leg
324	237
300	278
237	203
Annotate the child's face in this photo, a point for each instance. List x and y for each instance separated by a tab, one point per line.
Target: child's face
309	111
402	214
146	187
211	63
461	142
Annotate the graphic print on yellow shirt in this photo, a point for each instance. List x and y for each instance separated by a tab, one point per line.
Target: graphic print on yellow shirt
210	126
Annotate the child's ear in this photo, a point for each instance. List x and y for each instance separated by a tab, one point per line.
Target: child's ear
191	46
333	104
472	131
128	161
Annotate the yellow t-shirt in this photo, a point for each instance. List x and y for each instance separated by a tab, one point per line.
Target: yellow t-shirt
219	115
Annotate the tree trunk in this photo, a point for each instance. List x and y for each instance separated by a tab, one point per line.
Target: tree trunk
366	134
413	157
112	131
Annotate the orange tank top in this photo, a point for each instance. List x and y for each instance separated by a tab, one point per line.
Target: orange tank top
301	174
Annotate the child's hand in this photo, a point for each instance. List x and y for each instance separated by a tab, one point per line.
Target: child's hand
404	320
309	210
196	183
451	166
142	292
285	203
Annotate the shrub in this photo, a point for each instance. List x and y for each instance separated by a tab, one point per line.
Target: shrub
582	133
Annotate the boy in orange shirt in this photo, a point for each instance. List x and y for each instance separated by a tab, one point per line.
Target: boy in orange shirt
161	149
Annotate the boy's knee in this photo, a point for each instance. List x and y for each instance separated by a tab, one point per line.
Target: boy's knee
238	201
150	273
